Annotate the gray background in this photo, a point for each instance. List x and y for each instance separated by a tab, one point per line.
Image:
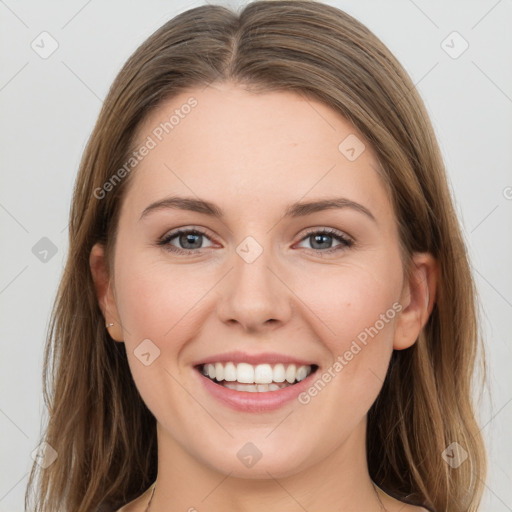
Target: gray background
49	106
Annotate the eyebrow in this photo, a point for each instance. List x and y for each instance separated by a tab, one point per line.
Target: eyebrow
297	209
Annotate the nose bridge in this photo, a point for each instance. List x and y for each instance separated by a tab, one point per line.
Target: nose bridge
253	294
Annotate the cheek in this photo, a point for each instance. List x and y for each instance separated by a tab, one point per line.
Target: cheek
350	300
157	301
357	310
161	303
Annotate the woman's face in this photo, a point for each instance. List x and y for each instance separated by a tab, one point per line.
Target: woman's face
260	283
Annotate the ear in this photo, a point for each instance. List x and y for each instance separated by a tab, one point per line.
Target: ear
417	300
104	291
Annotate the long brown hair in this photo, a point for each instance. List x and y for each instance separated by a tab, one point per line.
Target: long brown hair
103	433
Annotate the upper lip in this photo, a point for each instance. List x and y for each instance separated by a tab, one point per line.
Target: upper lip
254	359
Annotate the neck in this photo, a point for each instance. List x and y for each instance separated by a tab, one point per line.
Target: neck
338	481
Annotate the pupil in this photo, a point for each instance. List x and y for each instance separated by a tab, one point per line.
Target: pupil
189	238
321	238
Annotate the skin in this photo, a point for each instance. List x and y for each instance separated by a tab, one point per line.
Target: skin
253	155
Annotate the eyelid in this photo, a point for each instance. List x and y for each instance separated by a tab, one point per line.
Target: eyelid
191	227
328	230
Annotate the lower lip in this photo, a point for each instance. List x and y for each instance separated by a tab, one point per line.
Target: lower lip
257	401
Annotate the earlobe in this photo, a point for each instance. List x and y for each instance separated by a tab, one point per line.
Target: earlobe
418	298
104	292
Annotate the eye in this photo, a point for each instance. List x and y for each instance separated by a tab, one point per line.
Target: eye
190	241
321	240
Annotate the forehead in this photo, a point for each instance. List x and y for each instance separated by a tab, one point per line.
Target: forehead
236	147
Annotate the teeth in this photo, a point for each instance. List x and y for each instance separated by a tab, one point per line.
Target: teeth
279	374
261	375
219	371
230	372
302	373
244	373
291	372
254	388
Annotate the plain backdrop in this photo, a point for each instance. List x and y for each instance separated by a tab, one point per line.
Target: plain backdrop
49	104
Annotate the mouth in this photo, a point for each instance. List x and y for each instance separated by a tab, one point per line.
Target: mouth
261	378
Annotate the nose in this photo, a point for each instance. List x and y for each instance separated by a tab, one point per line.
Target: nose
255	296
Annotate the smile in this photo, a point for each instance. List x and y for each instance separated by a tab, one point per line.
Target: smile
255	378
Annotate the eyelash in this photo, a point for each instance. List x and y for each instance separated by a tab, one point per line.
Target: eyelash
346	242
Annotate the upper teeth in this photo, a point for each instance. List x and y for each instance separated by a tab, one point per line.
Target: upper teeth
259	374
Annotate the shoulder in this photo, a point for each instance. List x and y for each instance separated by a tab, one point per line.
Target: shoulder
126	508
400	506
129	507
136	505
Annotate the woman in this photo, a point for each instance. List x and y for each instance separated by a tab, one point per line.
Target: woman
258	366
